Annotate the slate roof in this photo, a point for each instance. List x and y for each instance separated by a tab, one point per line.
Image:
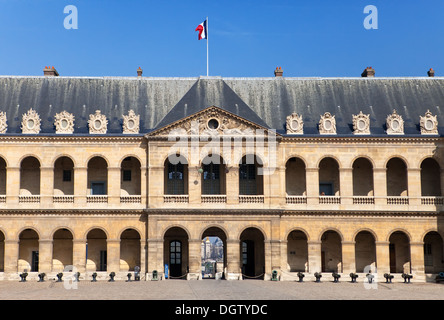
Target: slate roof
265	101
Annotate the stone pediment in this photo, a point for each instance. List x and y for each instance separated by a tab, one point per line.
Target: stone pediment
212	121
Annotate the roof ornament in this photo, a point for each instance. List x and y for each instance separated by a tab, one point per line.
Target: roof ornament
295	124
361	123
395	123
131	123
3	122
31	122
97	123
64	122
428	123
327	124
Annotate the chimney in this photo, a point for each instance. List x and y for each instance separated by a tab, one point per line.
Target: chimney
139	72
369	72
278	72
431	72
50	72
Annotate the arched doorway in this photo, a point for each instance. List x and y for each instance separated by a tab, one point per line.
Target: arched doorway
62	252
213	253
331	252
28	251
399	251
365	252
176	253
329	177
252	253
63	177
363	178
96	250
295	177
297	251
30	176
129	250
397	178
433	253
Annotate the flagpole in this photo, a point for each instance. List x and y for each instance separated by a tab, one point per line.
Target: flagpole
208	69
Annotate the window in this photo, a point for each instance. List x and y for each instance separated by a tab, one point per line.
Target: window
66	175
175	178
211	179
98	188
247	179
175	252
326	189
126	175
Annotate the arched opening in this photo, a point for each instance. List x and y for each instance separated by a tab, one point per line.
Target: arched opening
130	178
213	175
399	253
62	252
331	252
28	251
96	251
252	253
297	251
362	177
129	250
97	176
30	176
2	252
329	177
2	177
433	253
365	252
63	177
396	178
430	178
213	253
295	183
251	181
176	253
176	176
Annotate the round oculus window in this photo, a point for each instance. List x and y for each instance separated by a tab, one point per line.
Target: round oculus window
361	124
213	124
295	125
327	125
30	123
64	123
395	124
97	124
429	125
131	124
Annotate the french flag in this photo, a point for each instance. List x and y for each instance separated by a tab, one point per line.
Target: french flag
203	32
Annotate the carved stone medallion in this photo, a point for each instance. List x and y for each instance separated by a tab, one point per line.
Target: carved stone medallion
295	124
97	123
3	122
327	124
64	122
428	123
395	123
31	122
361	123
131	123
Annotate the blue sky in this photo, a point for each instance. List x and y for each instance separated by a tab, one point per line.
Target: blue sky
319	38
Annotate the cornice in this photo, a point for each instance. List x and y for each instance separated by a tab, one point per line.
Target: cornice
361	139
71	212
107	139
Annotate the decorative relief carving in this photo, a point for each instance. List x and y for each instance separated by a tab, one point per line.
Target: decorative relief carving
395	123
97	123
361	123
31	122
428	123
295	124
327	124
131	122
3	122
64	122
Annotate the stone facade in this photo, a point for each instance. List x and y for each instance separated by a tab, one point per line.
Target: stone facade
108	203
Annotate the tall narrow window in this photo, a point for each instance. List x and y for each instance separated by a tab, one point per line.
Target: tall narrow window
247	179
175	179
211	179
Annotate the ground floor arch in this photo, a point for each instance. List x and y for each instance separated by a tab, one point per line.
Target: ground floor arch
62	252
176	249
252	252
297	251
331	252
214	253
28	259
96	251
365	252
129	250
399	252
433	253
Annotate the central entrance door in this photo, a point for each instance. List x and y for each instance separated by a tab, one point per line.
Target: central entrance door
175	258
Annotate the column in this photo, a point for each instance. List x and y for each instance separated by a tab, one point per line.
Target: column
46	186
417	260
382	257
12	185
114	185
45	255
113	255
79	254
233	260
194	253
144	185
11	256
348	257
314	256
312	181
414	186
346	185
80	185
143	256
380	186
232	178
155	258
